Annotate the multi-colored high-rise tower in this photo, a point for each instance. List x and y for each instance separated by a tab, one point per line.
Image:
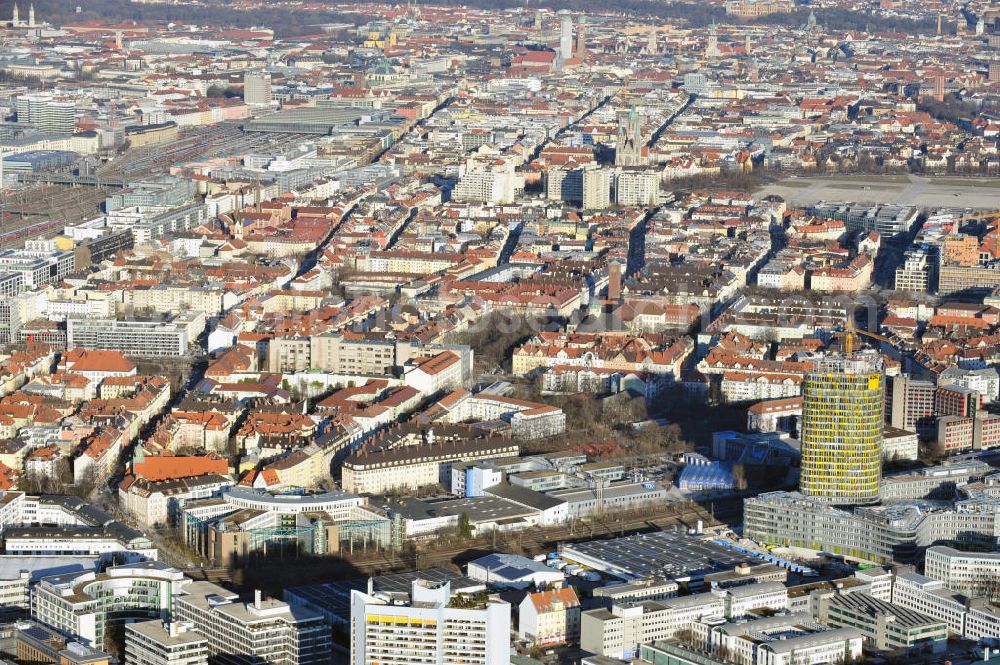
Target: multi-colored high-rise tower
842	424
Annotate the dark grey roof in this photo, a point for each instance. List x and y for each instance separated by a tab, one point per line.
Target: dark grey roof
524	496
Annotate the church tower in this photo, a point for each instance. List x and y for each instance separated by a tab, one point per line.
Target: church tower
628	149
713	41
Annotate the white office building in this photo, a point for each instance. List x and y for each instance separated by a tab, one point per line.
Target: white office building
742	599
82	604
35	267
971	573
618	632
262	631
786	639
46	113
18	573
164	643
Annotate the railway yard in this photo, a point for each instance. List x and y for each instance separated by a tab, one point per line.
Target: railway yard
41	205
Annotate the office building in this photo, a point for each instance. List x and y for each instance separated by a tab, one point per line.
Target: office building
19	573
35	644
934	482
433	627
618	632
873	534
257	88
785	639
150	223
261	631
164	643
10	319
888	220
978	432
631	592
899	444
83	604
842	414
407	458
958	279
985	381
36	268
912	405
46	113
243	520
971	573
886	626
11	283
917	273
52	525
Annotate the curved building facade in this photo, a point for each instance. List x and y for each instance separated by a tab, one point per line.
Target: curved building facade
842	424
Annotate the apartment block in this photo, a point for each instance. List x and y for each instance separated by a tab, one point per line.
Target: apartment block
409	458
341	354
133	338
550	617
637	188
433	626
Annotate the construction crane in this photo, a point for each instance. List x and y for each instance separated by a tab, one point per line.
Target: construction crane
851	334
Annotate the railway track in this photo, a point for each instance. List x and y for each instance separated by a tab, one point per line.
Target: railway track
42	210
29	232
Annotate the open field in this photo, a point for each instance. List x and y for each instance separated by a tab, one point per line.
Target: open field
921	191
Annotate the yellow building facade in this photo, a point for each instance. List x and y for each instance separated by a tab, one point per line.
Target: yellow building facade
842	424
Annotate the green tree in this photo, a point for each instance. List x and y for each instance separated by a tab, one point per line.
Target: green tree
464	526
